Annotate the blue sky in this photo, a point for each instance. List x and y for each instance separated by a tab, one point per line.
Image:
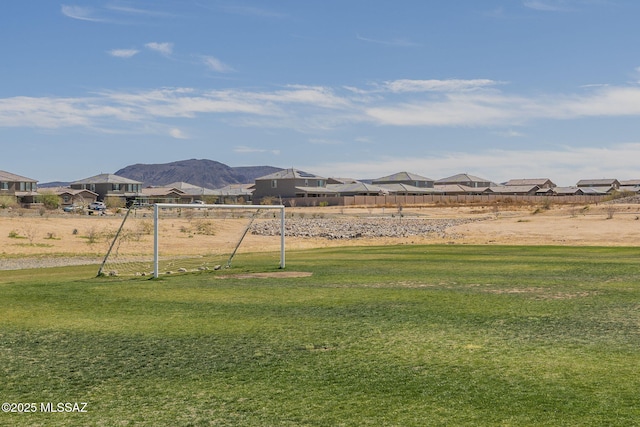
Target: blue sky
500	89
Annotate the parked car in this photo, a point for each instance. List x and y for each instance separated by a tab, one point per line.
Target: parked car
97	206
72	208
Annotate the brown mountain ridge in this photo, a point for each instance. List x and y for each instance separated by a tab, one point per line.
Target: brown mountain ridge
201	172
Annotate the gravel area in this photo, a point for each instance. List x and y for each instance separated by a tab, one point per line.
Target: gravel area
353	228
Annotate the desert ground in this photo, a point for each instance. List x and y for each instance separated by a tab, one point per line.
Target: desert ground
31	238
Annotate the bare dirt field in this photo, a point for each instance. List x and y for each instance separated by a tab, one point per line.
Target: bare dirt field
28	239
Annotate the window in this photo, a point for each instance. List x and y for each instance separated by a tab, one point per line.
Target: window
274	183
116	187
321	183
4	185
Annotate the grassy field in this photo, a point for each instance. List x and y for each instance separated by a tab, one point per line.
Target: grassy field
380	336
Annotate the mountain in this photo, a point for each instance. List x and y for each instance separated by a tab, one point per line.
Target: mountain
203	173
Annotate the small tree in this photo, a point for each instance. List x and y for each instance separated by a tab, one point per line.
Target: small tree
114	202
50	200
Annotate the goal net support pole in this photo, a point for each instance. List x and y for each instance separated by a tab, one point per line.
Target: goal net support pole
156	220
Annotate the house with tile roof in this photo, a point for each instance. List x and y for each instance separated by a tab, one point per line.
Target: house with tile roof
540	182
466	180
24	189
407	178
110	185
289	183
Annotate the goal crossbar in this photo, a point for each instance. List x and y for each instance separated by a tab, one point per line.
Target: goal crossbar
158	206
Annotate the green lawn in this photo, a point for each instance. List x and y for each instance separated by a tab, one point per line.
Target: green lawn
400	335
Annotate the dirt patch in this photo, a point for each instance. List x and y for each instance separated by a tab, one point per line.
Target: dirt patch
26	240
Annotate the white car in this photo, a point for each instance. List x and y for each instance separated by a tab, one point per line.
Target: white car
97	206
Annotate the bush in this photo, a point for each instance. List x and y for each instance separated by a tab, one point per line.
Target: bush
49	200
8	202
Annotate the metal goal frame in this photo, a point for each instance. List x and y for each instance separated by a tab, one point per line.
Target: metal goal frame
156	220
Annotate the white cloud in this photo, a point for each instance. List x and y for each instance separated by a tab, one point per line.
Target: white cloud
243	149
545	6
216	65
306	108
162	48
451	85
177	133
400	42
564	166
123	53
81	13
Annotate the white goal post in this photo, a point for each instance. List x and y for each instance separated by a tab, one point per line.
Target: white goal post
156	220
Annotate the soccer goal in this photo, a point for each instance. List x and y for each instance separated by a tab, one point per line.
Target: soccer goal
170	238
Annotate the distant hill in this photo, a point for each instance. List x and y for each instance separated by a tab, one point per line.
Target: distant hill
203	173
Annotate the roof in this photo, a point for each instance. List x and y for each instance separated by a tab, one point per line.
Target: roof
402	176
528	181
461	189
630	182
65	190
290	174
106	178
357	187
161	191
597	182
192	190
462	177
511	189
406	188
11	177
568	190
234	190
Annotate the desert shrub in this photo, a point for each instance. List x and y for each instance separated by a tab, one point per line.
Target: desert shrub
8	202
204	227
114	202
49	200
13	234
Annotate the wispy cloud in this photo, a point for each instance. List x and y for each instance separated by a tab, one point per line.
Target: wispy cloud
215	64
305	108
123	53
564	165
546	5
400	42
177	133
254	11
165	49
81	13
243	149
451	85
136	11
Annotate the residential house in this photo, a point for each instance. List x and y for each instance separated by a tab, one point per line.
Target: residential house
74	197
195	192
465	180
109	185
568	191
151	195
288	183
22	188
234	193
599	183
407	178
514	190
540	182
631	186
402	189
458	189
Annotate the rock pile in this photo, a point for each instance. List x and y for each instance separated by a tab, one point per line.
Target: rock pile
353	228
